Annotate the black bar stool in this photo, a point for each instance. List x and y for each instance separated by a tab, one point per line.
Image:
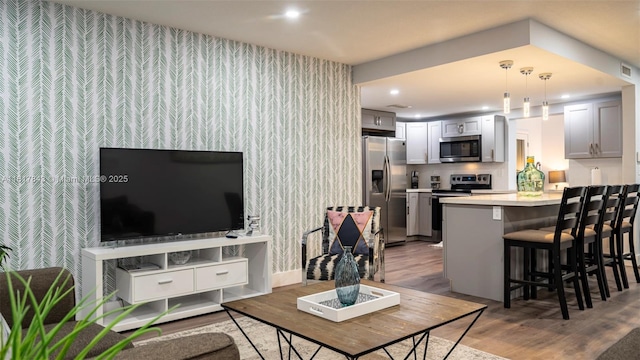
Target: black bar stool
562	238
614	197
590	234
627	210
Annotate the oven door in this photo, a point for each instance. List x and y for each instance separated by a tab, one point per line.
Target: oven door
460	149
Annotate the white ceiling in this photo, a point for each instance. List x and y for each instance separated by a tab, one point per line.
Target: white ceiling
356	32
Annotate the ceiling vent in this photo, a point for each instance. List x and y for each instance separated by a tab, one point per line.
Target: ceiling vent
625	71
399	106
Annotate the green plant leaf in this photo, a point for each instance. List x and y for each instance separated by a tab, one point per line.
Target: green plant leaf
36	343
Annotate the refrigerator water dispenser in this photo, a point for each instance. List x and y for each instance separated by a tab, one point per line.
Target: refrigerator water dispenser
377	184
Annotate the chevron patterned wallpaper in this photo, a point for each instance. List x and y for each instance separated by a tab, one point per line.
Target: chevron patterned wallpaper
74	80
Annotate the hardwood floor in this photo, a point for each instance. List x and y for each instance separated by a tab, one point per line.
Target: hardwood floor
531	329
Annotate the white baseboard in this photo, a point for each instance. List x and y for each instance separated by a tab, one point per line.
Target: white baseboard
286	278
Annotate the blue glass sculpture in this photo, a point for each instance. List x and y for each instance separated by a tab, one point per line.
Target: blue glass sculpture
347	278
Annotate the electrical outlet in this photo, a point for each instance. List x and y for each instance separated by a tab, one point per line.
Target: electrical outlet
497	213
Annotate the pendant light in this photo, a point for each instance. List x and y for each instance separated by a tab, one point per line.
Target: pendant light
526	109
506	102
545	104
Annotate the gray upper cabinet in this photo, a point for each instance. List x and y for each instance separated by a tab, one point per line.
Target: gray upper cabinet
493	138
462	127
434	132
593	130
378	120
417	142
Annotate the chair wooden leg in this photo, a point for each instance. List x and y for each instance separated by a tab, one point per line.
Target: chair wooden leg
527	272
559	284
533	268
603	271
582	271
507	274
601	276
619	254
573	266
614	265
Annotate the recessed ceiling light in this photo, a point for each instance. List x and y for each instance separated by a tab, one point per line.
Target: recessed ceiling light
566	96
292	14
417	116
394	92
485	107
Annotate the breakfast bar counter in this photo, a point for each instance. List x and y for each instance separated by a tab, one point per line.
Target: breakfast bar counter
472	229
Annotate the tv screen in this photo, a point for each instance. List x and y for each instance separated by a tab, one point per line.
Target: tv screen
151	193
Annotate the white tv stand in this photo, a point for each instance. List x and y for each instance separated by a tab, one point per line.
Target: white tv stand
199	286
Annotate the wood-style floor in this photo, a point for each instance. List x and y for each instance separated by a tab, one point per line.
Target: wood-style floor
531	329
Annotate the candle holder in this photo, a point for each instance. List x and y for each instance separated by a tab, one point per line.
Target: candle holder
254	225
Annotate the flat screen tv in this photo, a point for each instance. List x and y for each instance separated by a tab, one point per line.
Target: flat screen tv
154	193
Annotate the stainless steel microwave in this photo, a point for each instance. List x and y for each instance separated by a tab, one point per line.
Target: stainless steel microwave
460	149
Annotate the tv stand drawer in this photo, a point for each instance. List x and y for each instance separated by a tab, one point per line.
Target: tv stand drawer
139	288
222	275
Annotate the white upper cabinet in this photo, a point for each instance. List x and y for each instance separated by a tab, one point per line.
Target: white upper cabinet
434	131
401	130
417	142
461	127
493	138
593	130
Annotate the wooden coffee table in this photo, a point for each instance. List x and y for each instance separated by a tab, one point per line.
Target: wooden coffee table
417	314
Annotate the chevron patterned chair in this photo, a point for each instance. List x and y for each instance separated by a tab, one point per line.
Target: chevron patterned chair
355	226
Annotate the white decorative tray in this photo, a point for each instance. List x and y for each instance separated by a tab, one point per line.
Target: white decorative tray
327	306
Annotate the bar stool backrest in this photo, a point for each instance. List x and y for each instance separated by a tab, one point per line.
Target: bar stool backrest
593	209
628	206
570	210
615	195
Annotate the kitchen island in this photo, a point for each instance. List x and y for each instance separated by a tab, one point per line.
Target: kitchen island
472	229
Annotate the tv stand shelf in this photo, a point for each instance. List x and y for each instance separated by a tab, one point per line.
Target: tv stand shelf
199	286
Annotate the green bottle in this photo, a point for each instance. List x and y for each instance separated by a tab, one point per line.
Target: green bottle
530	179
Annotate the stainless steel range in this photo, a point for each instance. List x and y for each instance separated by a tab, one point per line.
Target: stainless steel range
461	185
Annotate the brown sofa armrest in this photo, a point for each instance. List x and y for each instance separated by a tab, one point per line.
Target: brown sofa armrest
200	346
41	281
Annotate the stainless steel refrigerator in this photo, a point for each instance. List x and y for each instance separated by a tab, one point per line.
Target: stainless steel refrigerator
384	166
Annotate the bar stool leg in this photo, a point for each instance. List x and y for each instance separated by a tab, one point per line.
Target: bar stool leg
560	286
527	272
619	254
614	265
582	270
534	267
573	264
601	275
507	275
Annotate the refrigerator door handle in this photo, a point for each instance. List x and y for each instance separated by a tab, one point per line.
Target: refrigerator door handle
387	180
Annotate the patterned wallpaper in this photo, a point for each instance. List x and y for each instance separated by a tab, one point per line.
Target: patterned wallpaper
74	80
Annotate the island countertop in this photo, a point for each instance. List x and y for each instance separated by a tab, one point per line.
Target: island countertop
505	200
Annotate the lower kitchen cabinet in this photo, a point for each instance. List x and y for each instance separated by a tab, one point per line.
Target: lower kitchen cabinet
424	228
419	214
412	213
